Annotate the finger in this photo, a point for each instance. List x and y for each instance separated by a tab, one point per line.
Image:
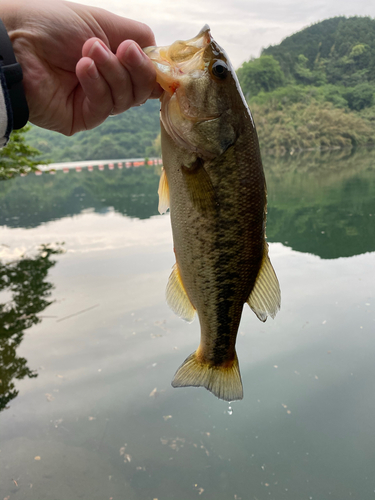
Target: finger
139	32
141	70
94	103
132	82
156	92
115	74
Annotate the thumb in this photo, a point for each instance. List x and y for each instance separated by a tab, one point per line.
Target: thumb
114	29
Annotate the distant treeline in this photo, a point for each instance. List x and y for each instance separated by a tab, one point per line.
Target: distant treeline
313	90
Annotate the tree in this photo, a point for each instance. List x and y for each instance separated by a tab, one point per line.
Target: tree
361	96
310	77
361	55
259	74
17	157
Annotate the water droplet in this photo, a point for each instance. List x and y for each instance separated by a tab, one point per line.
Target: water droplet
230	411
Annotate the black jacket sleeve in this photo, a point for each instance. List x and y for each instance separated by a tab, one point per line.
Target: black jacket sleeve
6	115
14	111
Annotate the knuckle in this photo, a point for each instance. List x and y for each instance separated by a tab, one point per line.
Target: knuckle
122	103
147	35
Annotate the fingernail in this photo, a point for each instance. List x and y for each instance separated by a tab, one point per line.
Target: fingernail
100	53
92	71
134	55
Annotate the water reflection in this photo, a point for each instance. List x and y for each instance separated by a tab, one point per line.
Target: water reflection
25	281
320	203
323	203
114	426
32	200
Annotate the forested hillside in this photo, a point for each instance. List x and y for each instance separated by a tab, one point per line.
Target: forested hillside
129	135
336	51
316	88
313	90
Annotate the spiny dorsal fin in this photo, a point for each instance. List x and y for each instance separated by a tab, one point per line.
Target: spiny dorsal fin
177	298
224	382
163	193
264	299
201	189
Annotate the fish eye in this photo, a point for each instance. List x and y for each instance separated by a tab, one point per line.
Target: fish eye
219	69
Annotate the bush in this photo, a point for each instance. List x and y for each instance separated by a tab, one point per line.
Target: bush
313	126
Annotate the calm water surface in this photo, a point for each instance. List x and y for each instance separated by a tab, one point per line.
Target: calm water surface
89	347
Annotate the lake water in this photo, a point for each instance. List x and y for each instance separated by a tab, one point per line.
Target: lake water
89	346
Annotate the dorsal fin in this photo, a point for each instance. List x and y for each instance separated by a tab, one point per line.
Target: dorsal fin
264	299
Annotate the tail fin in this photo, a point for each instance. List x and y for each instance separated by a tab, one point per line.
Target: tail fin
223	382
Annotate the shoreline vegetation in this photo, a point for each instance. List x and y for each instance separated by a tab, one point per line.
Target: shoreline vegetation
312	92
312	126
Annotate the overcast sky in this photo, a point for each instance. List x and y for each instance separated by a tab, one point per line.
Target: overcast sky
241	27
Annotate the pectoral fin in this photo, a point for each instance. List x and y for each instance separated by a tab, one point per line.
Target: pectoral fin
200	187
264	299
163	193
177	298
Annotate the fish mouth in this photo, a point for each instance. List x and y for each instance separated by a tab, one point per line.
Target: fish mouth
175	65
174	61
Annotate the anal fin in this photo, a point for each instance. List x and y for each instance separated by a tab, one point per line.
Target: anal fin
265	297
177	298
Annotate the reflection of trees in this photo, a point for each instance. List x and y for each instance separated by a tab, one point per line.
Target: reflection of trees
318	202
322	203
30	201
25	279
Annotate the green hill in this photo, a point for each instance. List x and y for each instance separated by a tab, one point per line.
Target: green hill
337	51
316	88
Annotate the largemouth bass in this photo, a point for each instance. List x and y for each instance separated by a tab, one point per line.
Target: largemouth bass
214	185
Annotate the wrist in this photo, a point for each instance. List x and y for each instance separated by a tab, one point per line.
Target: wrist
12	72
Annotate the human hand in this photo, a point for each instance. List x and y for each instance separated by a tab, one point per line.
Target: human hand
80	64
